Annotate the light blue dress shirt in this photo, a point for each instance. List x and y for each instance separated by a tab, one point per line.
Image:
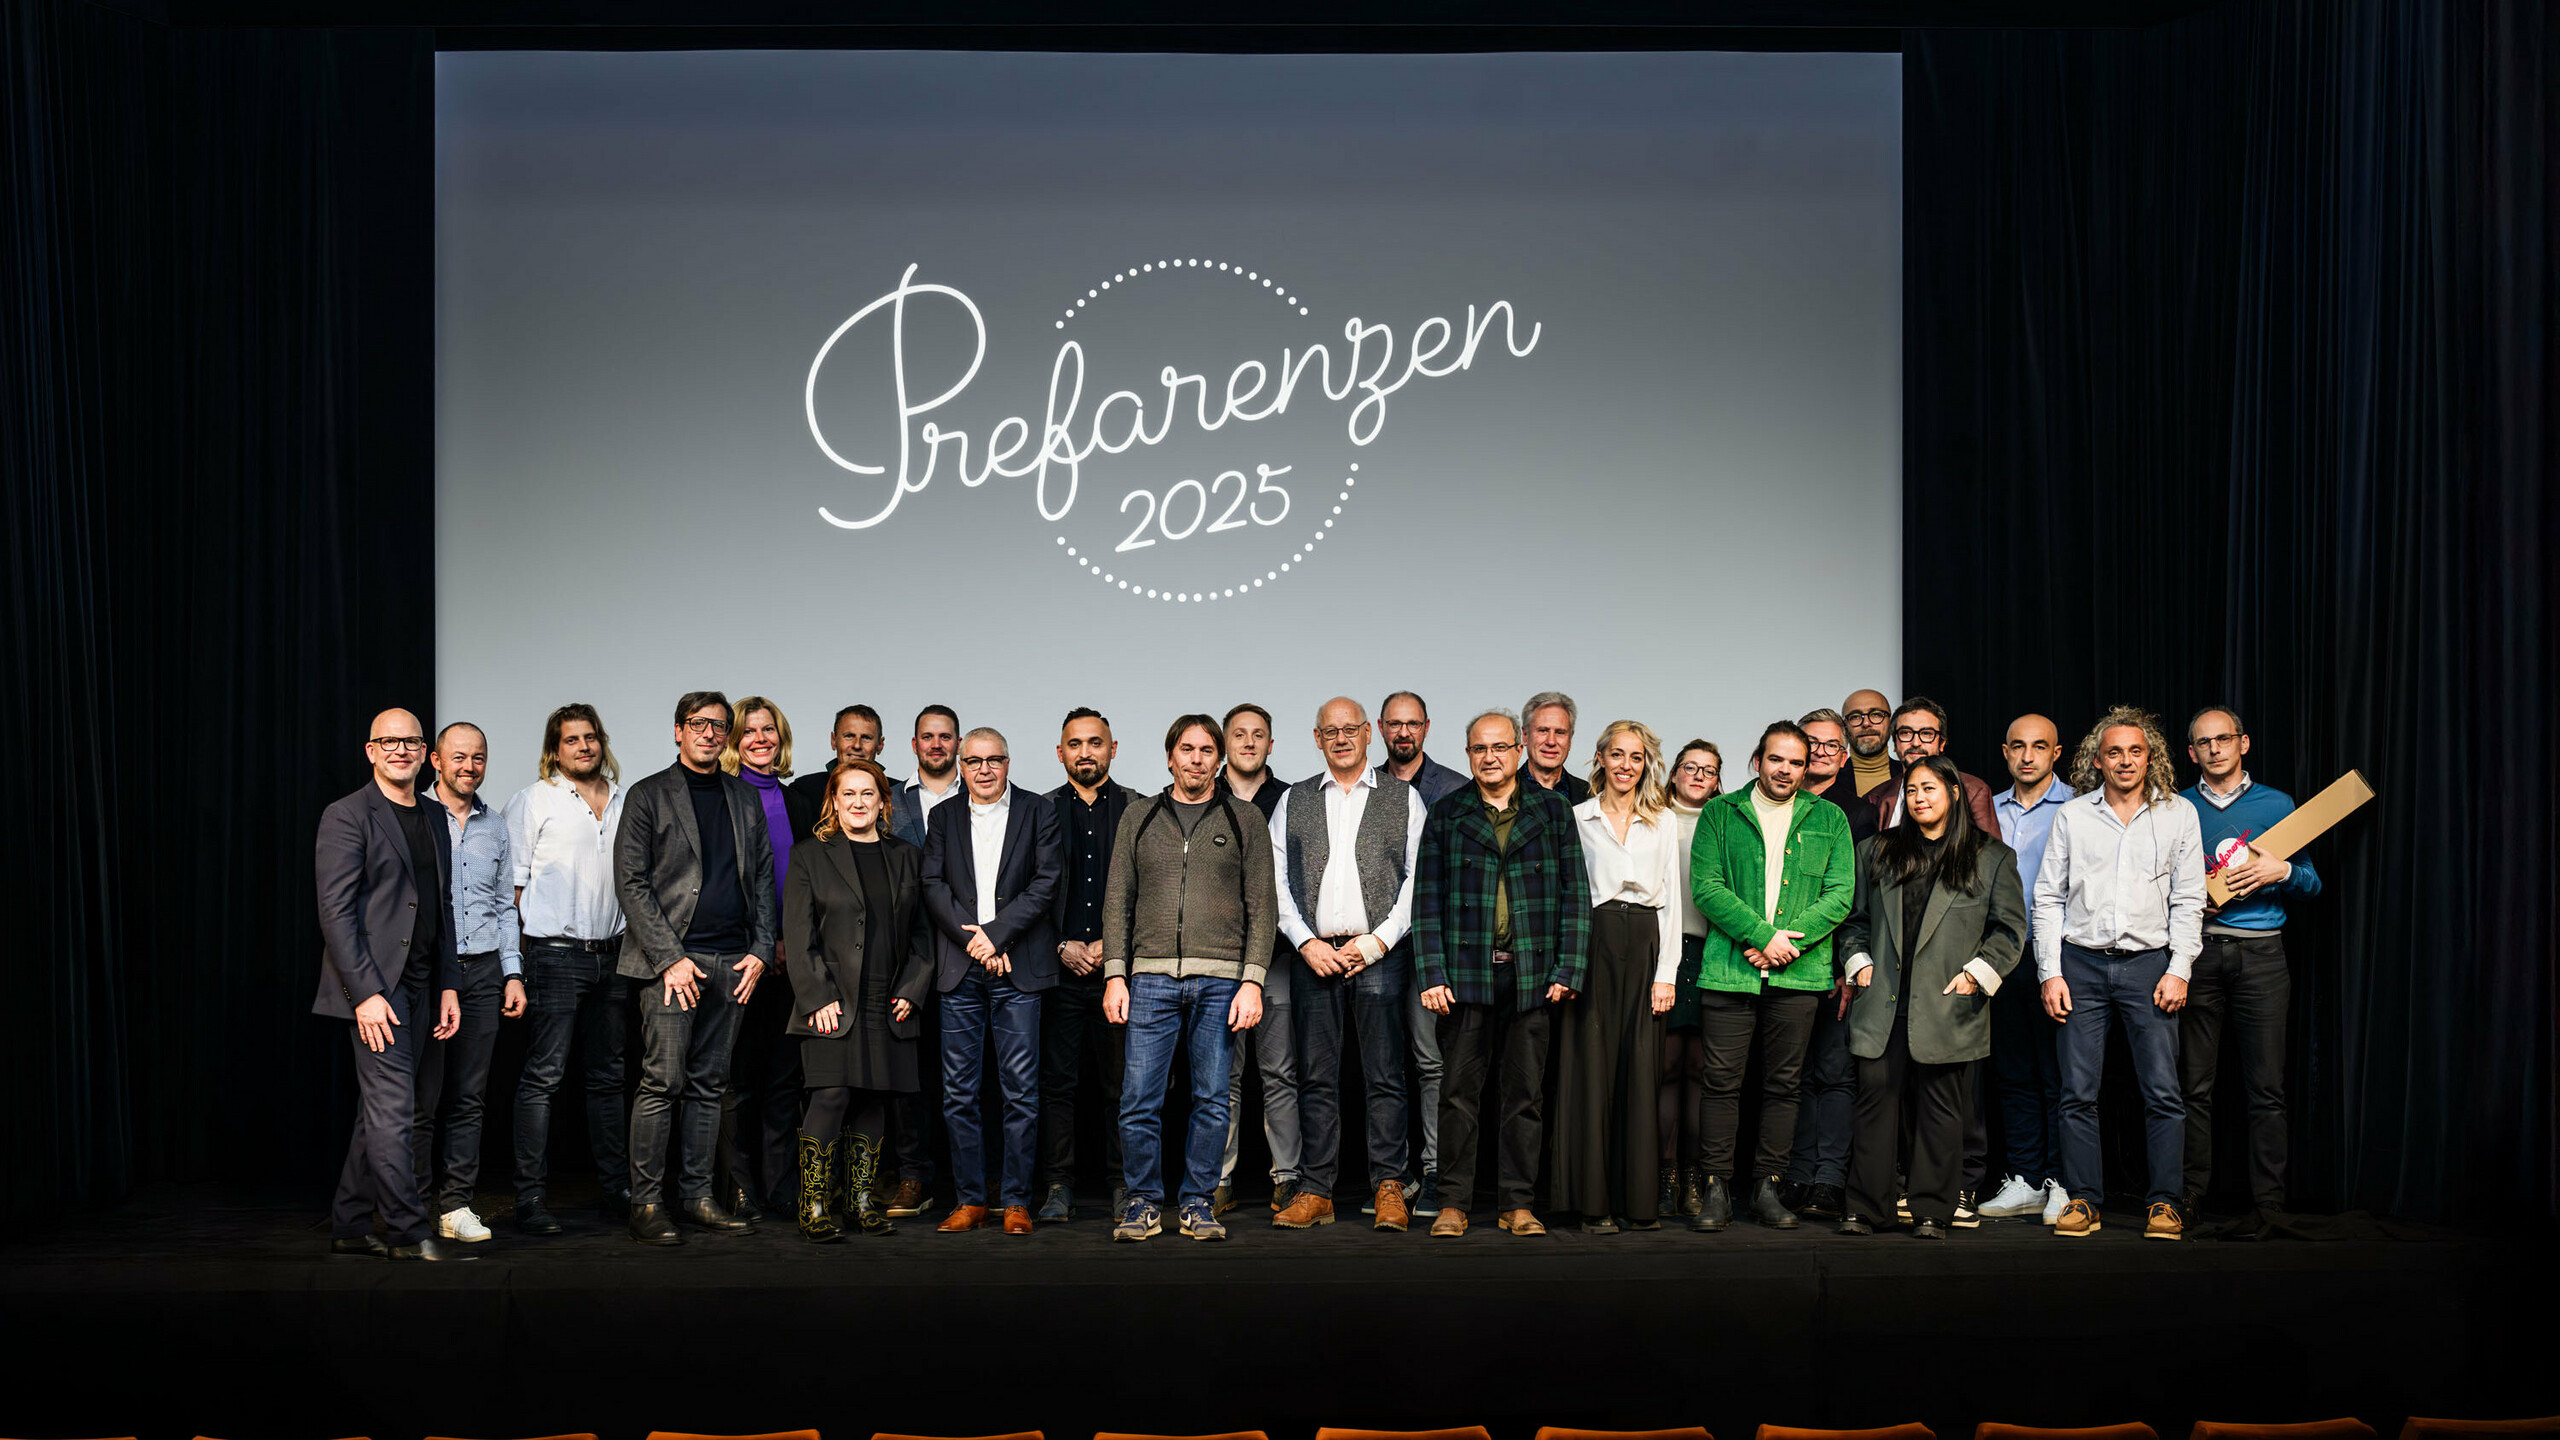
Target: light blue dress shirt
484	897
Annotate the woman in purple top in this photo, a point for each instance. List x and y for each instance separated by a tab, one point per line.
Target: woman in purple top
760	1114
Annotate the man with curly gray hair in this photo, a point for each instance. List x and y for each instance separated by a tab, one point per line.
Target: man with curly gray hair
2119	921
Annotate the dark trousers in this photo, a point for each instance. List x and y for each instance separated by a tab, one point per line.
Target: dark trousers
760	1108
1471	1039
914	1117
380	1178
1830	1093
1941	1101
684	1064
1321	1002
985	1014
2247	982
2111	992
453	1077
1781	1023
2026	1061
1075	1040
572	998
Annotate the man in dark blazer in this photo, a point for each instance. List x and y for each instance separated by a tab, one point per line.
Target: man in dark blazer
991	870
693	868
1072	1025
384	869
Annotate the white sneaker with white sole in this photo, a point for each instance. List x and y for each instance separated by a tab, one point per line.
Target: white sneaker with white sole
462	1225
2015	1198
2056	1199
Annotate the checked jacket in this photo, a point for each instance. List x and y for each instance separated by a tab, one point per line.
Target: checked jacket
1453	899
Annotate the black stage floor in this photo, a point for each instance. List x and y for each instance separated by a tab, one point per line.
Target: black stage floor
184	1317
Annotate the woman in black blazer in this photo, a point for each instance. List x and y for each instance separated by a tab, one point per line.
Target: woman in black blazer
854	940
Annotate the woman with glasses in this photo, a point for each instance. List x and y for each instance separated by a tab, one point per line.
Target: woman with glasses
1610	1057
1697	776
758	1109
859	963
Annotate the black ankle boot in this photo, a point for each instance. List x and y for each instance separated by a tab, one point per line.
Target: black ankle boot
1693	1187
817	1192
1715	1206
1668	1201
862	1188
1767	1208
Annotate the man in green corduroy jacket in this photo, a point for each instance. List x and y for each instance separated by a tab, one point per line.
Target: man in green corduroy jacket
1774	874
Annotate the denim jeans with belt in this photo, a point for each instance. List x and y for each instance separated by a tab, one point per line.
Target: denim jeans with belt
2108	992
1168	1014
572	997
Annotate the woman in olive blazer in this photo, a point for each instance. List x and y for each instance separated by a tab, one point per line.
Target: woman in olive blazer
1939	922
861	965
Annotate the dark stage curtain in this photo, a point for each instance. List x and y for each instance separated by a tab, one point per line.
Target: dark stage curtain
216	288
2228	374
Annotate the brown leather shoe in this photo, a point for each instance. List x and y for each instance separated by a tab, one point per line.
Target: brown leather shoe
1305	1213
1017	1219
963	1217
2079	1220
1393	1213
2163	1223
1521	1222
1452	1222
907	1199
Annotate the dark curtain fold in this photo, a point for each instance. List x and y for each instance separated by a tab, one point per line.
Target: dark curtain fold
217	297
2229	368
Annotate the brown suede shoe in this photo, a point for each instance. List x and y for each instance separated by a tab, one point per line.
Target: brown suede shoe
1521	1222
1393	1213
1305	1213
2163	1223
2079	1219
963	1217
1452	1221
1017	1219
907	1199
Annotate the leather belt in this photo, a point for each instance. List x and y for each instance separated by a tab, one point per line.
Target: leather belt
569	942
1504	957
1627	905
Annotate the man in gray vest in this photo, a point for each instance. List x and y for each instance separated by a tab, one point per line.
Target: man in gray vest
1344	846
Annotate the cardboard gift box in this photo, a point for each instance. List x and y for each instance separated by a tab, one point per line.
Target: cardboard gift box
2286	837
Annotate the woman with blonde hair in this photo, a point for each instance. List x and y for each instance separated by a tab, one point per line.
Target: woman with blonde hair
763	1099
1610	1057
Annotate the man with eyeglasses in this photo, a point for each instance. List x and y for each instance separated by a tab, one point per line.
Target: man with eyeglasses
2243	969
1547	723
1818	1171
1404	722
1919	731
936	745
857	736
991	874
691	867
1869	718
1501	936
382	866
1270	1046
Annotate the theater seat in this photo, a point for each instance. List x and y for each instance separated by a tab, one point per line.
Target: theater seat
1462	1432
885	1435
1141	1435
579	1436
1914	1431
776	1435
1992	1430
2343	1429
1559	1432
2422	1429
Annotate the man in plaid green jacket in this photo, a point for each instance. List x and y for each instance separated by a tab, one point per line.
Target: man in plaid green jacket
1501	934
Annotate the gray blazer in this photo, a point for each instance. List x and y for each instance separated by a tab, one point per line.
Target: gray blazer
1989	925
368	904
657	869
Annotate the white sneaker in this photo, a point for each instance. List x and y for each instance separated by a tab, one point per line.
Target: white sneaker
462	1225
2055	1199
2016	1198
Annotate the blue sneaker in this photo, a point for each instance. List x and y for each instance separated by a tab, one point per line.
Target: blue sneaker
1140	1221
1199	1222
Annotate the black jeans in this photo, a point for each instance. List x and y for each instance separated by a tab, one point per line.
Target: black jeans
572	995
684	1062
1073	1034
453	1079
1942	1101
2248	982
1471	1037
380	1178
1828	1095
760	1109
1377	995
1782	1023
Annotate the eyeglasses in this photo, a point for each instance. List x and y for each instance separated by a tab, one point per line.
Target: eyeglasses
1699	772
1339	732
705	725
399	744
1906	734
985	762
1504	749
1402	724
2216	742
1830	747
1870	714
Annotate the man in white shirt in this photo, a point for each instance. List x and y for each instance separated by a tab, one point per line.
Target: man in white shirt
560	834
2118	923
1343	845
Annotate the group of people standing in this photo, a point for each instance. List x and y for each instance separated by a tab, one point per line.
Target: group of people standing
812	959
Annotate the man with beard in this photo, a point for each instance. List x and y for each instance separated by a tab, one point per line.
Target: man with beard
1869	717
856	737
1271	1046
454	1074
1547	746
936	743
1073	1031
1920	731
1406	723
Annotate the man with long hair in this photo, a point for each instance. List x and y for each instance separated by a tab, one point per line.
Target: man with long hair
2119	920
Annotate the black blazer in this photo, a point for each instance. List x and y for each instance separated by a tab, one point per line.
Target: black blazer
822	926
1035	860
657	869
368	903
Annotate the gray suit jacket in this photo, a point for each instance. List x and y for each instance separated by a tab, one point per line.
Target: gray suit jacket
1989	925
368	904
657	869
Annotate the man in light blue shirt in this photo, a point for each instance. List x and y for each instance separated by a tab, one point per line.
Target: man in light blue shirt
453	1075
2025	1061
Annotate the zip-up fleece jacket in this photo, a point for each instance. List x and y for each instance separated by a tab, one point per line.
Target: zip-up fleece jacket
1202	904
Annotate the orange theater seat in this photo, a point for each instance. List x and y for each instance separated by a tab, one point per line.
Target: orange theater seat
2546	1428
1463	1432
579	1436
2346	1429
1992	1430
1560	1432
776	1435
1015	1435
1139	1435
1913	1431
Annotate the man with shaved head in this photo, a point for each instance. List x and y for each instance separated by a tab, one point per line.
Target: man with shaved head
2027	1067
384	873
1869	717
488	944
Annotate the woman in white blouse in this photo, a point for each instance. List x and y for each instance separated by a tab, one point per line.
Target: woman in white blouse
1610	1056
1697	776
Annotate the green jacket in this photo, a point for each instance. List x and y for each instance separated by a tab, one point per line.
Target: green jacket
1728	878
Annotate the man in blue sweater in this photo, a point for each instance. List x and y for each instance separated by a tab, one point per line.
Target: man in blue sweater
2242	970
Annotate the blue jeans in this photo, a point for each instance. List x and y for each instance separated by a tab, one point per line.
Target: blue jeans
1376	995
575	996
1166	1014
2109	991
2026	1059
1830	1096
985	1012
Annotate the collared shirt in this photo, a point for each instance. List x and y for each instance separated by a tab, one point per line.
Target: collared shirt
926	799
986	846
1649	868
1088	874
563	859
2107	883
1341	908
484	902
1502	818
2204	791
2025	828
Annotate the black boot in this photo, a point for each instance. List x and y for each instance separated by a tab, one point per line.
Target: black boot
817	1192
862	1187
1693	1187
1715	1206
1767	1208
652	1225
1668	1201
706	1214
